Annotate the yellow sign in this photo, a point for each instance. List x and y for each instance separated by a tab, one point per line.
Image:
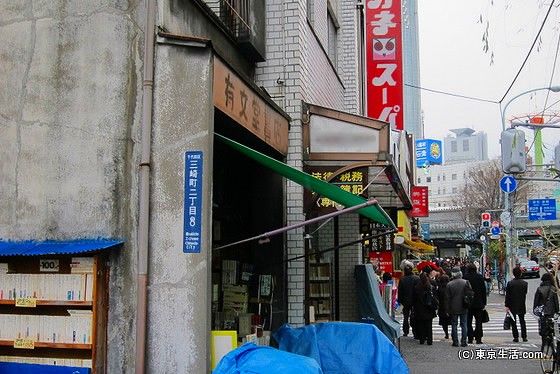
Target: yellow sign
24	343
26	302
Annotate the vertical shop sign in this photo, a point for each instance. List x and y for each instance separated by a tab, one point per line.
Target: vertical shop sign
383	37
419	201
382	260
193	202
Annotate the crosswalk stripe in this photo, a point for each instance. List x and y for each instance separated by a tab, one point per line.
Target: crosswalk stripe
495	325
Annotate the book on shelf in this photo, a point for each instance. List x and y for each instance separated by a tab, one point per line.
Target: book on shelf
57	287
73	329
73	362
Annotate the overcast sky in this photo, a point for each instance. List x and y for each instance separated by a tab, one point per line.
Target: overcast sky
452	60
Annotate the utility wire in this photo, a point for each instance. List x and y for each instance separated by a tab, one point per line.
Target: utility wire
551	75
528	54
452	94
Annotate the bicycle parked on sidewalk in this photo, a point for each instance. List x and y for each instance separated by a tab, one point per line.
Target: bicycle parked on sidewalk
550	360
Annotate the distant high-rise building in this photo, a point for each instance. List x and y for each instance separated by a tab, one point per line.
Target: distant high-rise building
413	123
465	146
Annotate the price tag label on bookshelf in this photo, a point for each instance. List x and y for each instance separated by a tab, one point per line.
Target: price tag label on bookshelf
24	343
46	265
26	302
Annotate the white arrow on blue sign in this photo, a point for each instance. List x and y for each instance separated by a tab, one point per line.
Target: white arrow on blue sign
508	184
495	230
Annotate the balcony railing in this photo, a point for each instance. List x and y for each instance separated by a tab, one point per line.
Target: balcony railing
234	14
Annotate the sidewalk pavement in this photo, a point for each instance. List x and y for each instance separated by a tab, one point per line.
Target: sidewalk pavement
497	354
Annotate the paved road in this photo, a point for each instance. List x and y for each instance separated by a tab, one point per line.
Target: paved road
498	353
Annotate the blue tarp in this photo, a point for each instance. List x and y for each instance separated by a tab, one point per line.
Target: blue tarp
254	359
343	347
370	304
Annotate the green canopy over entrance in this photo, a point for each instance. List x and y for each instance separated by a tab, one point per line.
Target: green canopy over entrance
347	199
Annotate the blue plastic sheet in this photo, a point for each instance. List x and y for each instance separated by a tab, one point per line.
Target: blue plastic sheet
343	347
370	305
254	359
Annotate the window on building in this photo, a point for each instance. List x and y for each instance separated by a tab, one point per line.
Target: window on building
465	145
453	177
419	181
454	190
454	146
438	178
333	27
443	177
428	179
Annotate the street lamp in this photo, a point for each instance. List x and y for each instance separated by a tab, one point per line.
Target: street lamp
509	254
552	88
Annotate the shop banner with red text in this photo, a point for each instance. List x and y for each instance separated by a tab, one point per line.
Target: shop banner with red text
383	37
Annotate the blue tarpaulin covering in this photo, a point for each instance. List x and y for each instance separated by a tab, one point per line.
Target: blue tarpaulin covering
370	304
343	347
54	247
254	359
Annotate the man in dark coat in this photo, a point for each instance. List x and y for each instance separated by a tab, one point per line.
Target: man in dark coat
546	295
456	290
479	302
405	292
516	292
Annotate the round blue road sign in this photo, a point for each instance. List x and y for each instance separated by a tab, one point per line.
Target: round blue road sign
508	184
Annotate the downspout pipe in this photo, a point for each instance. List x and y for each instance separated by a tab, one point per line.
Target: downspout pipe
144	187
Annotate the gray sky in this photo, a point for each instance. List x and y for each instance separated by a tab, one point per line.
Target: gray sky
452	60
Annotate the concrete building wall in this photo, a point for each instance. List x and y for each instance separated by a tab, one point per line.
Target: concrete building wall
179	283
70	113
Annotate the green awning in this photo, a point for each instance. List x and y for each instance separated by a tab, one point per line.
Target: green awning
347	199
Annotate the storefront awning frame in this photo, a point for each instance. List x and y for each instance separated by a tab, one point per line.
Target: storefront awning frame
347	199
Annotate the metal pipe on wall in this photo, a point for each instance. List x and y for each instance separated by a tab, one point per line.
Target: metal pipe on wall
144	187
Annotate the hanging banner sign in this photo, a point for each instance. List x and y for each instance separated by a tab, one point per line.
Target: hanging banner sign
192	229
383	36
419	201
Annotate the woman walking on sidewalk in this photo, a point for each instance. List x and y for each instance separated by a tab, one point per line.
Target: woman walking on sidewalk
424	308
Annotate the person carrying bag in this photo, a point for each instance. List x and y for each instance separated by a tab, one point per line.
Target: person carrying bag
547	296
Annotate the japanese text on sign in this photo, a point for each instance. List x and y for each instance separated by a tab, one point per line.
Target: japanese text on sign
351	181
193	202
419	201
384	61
239	101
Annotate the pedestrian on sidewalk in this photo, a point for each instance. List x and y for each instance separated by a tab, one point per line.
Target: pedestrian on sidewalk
405	291
546	295
516	293
444	319
456	290
478	303
424	308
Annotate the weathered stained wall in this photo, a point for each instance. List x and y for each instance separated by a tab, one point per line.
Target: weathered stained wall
69	118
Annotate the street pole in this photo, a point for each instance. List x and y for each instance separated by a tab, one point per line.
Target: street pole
509	228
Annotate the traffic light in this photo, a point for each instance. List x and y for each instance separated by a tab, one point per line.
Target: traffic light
557	157
513	151
485	217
